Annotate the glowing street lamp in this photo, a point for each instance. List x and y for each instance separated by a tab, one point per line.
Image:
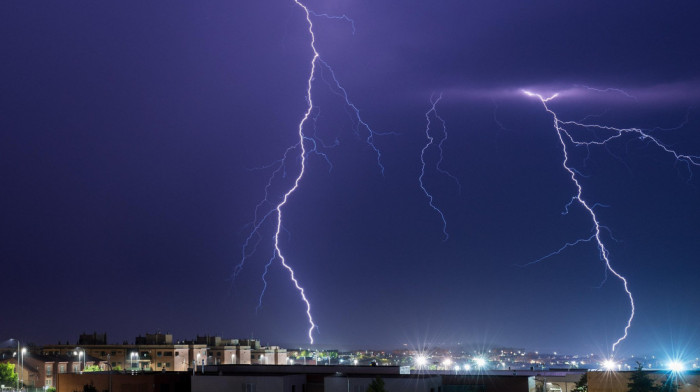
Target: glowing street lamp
480	362
609	365
676	366
17	353
421	361
24	350
446	363
132	356
80	354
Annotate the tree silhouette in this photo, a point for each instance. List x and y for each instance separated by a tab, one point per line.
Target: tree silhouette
377	385
641	382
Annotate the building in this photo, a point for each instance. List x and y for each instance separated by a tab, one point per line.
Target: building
158	352
38	371
272	355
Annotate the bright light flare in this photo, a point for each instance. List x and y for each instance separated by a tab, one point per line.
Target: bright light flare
676	366
420	361
480	362
609	365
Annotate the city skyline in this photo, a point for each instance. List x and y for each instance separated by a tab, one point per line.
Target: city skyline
138	140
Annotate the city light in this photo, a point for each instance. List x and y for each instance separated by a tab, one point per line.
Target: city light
676	366
447	362
421	361
609	365
480	362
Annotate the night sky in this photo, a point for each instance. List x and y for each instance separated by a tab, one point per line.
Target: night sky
130	134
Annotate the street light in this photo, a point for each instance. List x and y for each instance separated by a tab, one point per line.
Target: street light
421	361
676	366
480	362
80	354
446	363
24	350
17	353
609	365
131	357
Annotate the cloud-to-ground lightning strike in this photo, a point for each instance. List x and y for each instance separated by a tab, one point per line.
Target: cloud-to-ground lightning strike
271	206
432	112
565	135
579	198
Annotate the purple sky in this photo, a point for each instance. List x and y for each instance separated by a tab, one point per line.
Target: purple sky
128	131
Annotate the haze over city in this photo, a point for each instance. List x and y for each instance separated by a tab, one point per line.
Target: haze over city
139	141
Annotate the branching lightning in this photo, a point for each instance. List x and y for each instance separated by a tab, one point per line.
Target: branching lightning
432	112
565	136
306	145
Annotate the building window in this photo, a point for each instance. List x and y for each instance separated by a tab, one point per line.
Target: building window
48	382
62	368
49	370
76	368
177	354
114	353
218	354
159	353
160	365
168	354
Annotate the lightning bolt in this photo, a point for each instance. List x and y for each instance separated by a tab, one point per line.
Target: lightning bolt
272	206
614	133
558	126
432	112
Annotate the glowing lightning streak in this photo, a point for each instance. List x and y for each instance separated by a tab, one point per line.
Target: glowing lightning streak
584	204
267	207
302	157
432	111
559	126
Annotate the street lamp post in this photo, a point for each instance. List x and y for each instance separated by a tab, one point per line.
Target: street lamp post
24	350
18	354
